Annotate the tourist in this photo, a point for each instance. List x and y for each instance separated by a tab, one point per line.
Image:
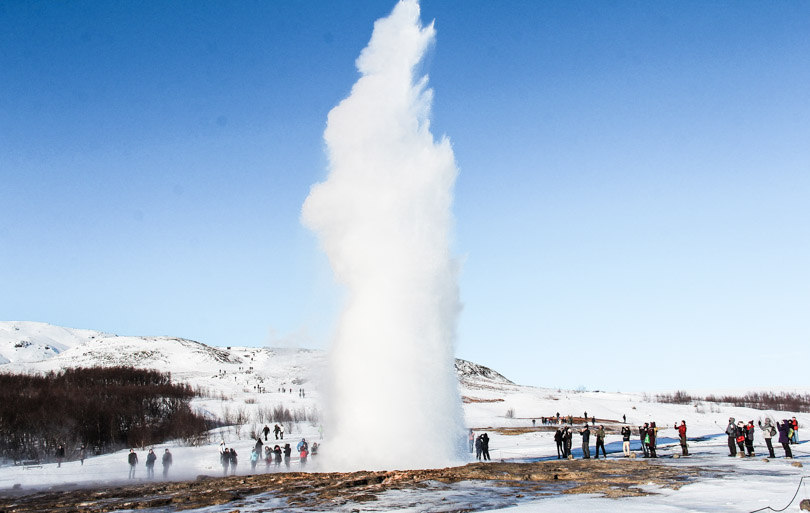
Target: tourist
795	425
60	455
287	454
741	437
232	460
151	457
645	439
600	441
277	456
478	447
682	435
586	434
167	462
558	438
132	459
731	432
626	433
266	431
485	446
784	428
254	459
768	431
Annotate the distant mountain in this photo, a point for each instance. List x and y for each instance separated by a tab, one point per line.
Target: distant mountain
34	346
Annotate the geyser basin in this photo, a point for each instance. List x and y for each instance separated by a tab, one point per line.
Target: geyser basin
384	219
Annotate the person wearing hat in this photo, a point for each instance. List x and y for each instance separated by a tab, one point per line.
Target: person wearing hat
741	437
600	441
731	432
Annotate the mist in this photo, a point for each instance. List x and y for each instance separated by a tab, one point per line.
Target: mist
383	217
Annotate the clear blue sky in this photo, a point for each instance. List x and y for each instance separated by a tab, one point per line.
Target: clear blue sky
633	207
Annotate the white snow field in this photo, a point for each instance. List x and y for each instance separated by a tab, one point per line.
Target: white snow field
241	378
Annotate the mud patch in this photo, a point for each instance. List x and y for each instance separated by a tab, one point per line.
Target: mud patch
473	487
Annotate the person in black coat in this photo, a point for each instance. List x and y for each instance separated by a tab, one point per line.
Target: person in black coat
485	446
558	438
479	446
167	463
586	435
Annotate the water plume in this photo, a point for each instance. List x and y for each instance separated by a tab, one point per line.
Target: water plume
383	218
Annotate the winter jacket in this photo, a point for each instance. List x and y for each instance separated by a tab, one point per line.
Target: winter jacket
558	436
586	435
167	459
626	434
783	427
749	432
132	458
731	430
150	459
681	430
600	434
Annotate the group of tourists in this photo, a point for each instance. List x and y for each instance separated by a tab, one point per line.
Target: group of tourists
564	436
151	458
741	436
278	431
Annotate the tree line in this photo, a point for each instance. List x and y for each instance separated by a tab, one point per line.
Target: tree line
104	408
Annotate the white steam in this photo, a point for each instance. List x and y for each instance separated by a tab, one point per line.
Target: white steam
384	219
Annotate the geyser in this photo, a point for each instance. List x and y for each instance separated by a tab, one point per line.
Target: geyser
383	217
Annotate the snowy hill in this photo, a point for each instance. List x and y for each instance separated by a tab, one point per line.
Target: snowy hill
36	341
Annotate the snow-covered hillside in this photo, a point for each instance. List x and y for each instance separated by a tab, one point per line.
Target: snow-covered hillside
35	341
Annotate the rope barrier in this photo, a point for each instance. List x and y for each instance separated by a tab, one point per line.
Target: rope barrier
789	504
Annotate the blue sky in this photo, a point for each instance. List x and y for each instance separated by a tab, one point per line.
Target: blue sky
632	206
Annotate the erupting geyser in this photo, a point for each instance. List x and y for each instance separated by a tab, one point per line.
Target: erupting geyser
383	217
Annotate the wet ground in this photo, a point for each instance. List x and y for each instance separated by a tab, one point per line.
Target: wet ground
473	487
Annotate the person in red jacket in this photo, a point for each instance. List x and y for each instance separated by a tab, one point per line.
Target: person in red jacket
682	435
795	438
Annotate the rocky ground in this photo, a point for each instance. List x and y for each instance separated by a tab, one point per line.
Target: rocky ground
328	491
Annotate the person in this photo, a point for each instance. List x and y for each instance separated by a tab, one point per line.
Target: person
624	419
471	439
586	434
303	451
593	421
132	459
478	447
266	431
600	441
749	437
767	433
534	422
626	433
314	449
682	435
485	446
268	457
651	440
60	455
287	453
569	440
150	464
167	463
276	430
258	445
281	431
277	455
232	460
784	427
224	458
586	417
654	438
795	426
645	440
731	432
254	459
741	437
82	453
558	438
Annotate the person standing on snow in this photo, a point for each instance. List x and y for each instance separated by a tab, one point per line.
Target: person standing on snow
303	451
287	454
731	432
266	431
485	446
82	453
132	459
167	463
768	431
281	431
150	464
784	428
600	441
741	437
682	435
586	435
651	440
478	447
626	433
569	440
224	458
232	460
795	425
277	456
558	438
471	438
642	434
276	430
749	437
60	455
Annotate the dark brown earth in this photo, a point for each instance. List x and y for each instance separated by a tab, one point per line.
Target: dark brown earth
327	491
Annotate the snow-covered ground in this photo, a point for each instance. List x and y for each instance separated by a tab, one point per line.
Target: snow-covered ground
252	378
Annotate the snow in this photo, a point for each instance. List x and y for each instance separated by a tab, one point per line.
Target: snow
250	378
